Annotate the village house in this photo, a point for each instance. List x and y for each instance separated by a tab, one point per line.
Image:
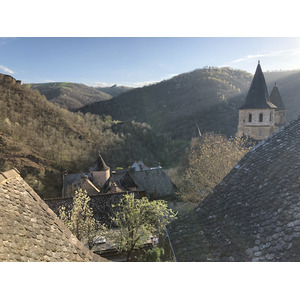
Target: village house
106	188
30	230
254	213
261	114
153	183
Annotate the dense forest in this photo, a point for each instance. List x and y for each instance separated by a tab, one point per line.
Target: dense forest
41	139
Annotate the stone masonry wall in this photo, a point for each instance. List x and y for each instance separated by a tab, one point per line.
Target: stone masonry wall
255	129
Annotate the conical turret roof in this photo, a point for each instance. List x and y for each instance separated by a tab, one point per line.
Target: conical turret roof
101	165
276	99
258	96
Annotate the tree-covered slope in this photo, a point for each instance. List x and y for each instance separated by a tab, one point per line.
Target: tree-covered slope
42	140
209	97
177	104
288	83
70	95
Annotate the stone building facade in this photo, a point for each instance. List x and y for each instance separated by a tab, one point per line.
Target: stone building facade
261	114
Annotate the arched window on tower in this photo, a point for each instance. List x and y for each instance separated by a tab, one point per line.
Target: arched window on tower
250	118
261	117
271	116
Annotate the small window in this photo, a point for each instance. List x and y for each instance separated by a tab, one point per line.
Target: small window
261	117
270	116
250	118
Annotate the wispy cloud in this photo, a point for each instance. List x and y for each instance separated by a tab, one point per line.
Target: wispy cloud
287	52
6	70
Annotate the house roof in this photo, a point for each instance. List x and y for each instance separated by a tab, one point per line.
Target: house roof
128	182
88	186
30	230
139	166
276	99
258	95
156	182
101	165
254	213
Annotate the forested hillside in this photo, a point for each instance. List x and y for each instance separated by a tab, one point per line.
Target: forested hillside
208	96
288	83
154	123
70	95
42	140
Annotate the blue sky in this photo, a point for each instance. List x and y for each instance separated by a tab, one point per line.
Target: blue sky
138	61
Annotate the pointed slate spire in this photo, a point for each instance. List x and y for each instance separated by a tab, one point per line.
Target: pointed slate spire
101	165
258	96
276	99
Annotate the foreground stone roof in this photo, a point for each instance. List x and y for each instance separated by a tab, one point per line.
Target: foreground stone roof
254	213
30	230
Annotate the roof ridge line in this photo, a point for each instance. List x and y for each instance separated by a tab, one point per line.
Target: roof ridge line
4	176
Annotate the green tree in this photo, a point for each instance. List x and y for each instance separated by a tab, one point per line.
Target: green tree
80	218
136	220
154	255
209	160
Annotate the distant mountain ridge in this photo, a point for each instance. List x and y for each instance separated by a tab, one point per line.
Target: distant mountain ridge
70	95
114	90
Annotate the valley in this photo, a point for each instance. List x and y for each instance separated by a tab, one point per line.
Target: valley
67	126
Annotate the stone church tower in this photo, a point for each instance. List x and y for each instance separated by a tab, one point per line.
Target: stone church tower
261	114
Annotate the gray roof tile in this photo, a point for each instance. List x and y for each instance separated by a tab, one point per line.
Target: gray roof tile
254	213
30	230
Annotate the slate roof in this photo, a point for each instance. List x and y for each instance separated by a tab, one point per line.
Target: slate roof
30	230
139	166
128	182
74	179
156	182
258	95
276	99
254	213
88	186
101	165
